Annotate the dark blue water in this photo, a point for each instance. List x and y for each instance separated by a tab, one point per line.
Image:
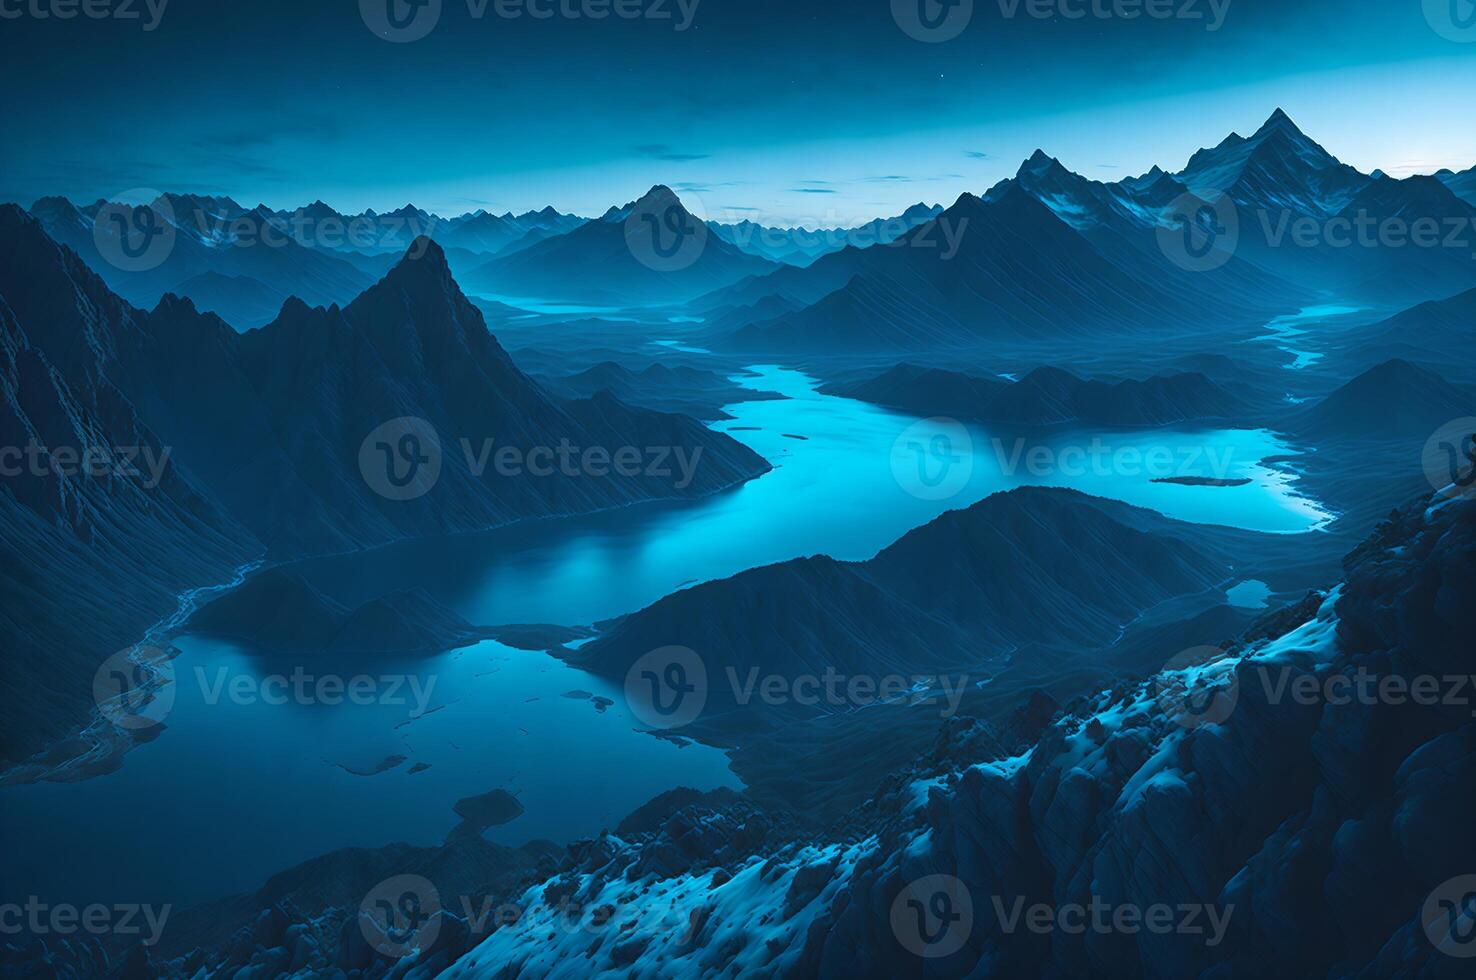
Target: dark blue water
232	792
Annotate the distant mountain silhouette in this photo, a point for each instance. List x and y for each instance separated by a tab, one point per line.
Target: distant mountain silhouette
802	246
1463	183
242	301
212	235
489	234
597	262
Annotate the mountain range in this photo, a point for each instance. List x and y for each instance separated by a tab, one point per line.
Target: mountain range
1045	254
262	437
1048	254
802	246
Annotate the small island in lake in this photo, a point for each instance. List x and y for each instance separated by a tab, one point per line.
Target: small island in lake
1204	481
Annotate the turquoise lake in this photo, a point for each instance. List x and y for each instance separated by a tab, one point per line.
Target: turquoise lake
231	793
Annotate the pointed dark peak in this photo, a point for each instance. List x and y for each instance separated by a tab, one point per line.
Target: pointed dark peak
294	309
1380	175
172	305
54	206
969	202
318	209
424	260
1039	163
658	198
1280	126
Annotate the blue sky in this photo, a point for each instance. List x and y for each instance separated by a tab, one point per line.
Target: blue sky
821	111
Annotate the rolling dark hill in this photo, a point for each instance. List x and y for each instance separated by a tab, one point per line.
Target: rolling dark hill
1394	399
1047	396
277	610
955	595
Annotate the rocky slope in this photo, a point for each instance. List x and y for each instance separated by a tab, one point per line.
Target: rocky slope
1260	810
1307	833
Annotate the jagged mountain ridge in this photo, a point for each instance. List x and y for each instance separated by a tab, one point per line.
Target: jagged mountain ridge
801	246
211	235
